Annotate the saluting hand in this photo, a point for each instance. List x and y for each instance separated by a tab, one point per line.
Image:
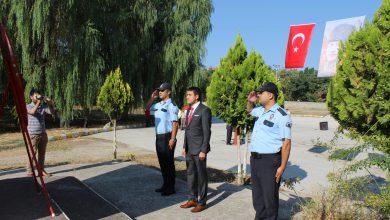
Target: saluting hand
154	94
252	97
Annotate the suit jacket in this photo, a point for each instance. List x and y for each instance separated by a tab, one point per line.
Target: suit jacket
198	131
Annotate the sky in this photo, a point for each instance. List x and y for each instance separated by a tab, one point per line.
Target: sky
264	25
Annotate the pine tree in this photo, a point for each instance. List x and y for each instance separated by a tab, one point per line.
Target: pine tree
359	99
114	95
236	76
359	95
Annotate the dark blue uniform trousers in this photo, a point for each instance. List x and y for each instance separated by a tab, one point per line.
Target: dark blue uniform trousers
265	190
166	161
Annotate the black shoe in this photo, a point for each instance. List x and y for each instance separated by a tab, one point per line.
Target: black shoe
168	192
228	143
160	190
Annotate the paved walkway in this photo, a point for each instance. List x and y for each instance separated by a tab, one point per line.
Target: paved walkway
130	187
307	161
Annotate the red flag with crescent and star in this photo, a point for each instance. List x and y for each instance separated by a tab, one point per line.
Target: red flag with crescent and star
297	45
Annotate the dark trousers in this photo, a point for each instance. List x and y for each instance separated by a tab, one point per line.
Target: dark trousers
229	131
166	160
265	190
197	178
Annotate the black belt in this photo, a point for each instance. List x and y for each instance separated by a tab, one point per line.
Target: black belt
256	155
163	135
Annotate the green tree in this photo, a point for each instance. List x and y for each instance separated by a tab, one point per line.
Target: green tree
203	80
359	99
231	82
66	47
359	95
114	96
188	28
303	85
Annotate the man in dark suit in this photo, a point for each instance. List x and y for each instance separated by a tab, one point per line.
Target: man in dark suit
196	146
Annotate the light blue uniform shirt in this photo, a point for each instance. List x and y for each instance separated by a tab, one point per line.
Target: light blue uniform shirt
270	129
164	114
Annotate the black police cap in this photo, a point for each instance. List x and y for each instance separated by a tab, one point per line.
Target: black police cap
268	87
164	86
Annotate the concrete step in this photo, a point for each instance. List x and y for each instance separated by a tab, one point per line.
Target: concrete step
78	201
20	200
71	199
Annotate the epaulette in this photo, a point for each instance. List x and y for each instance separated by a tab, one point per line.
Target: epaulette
282	111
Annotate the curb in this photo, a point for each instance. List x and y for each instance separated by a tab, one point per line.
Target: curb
314	116
86	132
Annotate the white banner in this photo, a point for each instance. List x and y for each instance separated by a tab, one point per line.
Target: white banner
335	31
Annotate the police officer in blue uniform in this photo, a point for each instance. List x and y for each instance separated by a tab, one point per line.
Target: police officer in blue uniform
166	126
270	149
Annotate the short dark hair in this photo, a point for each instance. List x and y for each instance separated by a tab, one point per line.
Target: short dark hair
33	90
275	97
196	91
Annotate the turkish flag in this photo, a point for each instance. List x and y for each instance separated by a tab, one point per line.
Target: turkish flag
297	45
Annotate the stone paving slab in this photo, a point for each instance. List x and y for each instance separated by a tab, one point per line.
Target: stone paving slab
130	187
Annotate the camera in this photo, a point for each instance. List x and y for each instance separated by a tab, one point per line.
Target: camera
42	98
